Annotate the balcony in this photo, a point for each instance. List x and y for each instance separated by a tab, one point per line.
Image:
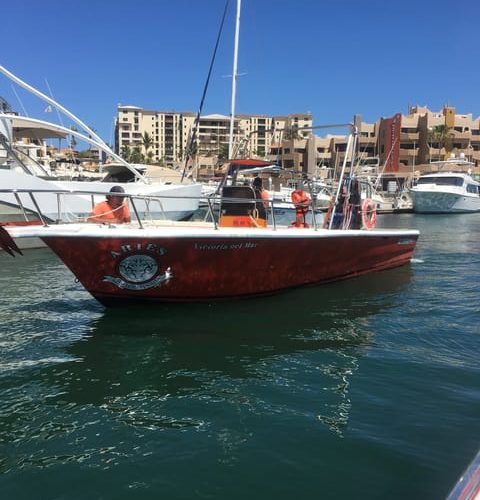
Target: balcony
408	153
476	155
461	135
324	156
409	136
367	141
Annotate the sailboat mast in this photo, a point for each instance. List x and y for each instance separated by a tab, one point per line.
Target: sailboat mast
234	79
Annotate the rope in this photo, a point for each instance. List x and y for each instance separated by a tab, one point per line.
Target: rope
106	213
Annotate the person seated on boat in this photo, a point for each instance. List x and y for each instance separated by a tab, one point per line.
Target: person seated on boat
113	210
262	194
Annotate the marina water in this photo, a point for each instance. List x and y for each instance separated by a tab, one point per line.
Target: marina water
367	388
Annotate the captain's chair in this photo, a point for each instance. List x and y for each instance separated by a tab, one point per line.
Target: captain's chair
234	212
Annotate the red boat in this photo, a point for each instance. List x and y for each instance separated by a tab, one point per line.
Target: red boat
233	256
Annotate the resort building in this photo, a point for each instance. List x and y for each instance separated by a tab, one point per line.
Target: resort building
402	145
411	142
163	137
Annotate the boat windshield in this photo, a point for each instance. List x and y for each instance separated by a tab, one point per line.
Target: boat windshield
441	181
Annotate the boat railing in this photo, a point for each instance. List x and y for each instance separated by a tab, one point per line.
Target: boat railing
146	209
62	207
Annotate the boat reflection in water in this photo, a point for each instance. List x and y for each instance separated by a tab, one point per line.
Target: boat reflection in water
99	380
164	369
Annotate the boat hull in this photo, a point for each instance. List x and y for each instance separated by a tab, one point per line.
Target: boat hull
202	267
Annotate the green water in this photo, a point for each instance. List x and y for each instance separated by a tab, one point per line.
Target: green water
367	388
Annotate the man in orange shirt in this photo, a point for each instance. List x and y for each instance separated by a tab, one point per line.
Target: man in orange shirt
113	210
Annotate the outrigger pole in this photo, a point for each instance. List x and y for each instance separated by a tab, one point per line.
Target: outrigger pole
99	142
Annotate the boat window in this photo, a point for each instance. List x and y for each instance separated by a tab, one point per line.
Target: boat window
441	181
472	188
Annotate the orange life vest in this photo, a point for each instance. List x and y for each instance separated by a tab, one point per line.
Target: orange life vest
301	200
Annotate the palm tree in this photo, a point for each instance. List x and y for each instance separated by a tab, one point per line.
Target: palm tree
191	153
223	152
147	141
126	152
261	151
90	135
73	141
442	135
290	134
136	155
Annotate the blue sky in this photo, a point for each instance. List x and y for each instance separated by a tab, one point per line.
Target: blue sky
333	58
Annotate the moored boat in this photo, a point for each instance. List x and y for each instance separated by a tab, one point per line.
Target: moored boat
450	189
19	171
202	261
191	261
242	252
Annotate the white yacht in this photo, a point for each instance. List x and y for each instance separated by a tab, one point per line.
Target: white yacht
20	170
451	189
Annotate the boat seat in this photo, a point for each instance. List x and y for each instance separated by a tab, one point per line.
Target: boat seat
236	212
230	200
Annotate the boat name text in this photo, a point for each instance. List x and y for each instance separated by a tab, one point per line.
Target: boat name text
137	247
225	246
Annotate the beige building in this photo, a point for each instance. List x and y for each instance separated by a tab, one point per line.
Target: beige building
170	134
404	144
464	133
416	144
323	157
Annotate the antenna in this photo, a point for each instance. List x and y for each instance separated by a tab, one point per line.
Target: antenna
56	109
20	101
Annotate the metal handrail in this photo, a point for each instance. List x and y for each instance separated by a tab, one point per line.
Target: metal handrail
140	217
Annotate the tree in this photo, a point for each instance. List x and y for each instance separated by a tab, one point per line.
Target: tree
136	155
90	135
126	152
291	133
147	141
73	141
223	152
261	151
192	152
442	136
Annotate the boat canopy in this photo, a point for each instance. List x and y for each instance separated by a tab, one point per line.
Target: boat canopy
23	127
